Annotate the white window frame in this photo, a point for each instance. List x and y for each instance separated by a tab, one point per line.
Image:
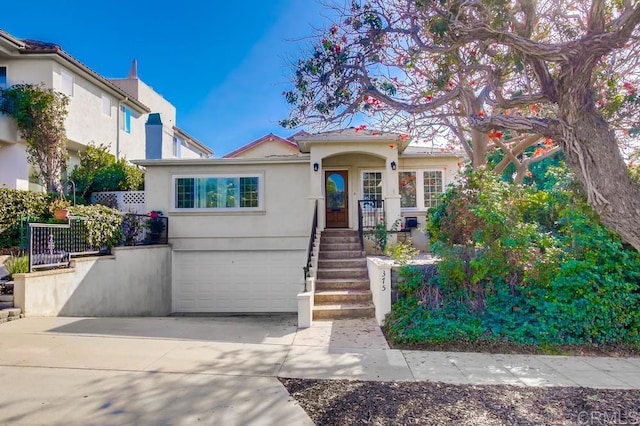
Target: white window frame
106	104
67	82
124	124
420	207
382	178
6	77
260	207
177	147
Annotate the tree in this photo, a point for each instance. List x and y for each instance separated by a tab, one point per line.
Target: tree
99	171
561	71
40	114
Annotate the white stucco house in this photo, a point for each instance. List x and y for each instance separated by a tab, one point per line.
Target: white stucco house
125	114
240	226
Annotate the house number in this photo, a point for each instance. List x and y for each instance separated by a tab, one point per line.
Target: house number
384	280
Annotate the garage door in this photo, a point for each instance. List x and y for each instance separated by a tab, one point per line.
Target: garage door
236	281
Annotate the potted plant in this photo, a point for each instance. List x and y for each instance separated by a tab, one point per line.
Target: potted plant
59	208
156	226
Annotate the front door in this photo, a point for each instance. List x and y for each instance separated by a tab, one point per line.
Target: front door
337	199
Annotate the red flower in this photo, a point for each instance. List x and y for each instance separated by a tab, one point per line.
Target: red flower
429	98
361	127
494	134
629	88
154	214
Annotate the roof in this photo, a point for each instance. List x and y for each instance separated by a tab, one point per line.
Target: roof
266	138
36	47
352	134
194	141
222	161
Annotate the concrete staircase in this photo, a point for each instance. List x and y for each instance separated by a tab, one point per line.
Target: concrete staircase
342	283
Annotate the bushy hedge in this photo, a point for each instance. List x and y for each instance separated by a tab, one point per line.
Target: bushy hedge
103	224
16	204
524	266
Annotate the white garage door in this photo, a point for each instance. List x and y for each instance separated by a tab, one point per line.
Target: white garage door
236	281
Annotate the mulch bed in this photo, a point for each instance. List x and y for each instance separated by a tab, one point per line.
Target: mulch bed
347	402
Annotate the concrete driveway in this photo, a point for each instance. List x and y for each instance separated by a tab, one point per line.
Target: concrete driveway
156	371
223	370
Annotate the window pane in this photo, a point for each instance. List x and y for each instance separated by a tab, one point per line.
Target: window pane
432	188
127	120
218	192
185	193
407	189
372	185
249	192
3	77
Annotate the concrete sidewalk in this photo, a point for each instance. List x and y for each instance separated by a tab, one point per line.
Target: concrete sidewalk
223	370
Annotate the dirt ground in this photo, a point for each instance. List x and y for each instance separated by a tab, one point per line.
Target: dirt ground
346	402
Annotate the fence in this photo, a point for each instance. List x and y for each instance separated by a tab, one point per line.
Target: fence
125	201
53	245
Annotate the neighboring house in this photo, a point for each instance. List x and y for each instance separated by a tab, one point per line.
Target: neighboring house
268	146
240	226
114	113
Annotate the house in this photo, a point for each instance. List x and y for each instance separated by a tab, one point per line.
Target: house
240	226
268	146
123	114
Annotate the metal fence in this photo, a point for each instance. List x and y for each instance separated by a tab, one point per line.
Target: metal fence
140	229
53	245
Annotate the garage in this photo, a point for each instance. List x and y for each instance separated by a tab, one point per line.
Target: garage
236	281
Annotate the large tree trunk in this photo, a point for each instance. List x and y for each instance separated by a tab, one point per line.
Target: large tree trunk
593	155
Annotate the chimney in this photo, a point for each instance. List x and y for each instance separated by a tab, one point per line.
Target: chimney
133	72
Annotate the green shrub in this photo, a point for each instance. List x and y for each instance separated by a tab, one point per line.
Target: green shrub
17	204
402	251
103	223
523	266
16	265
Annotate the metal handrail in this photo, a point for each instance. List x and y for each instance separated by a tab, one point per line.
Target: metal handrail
312	239
369	213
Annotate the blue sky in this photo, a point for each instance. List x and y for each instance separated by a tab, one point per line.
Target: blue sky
224	65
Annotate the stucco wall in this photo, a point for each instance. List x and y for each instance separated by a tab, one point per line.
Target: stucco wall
283	224
136	281
14	170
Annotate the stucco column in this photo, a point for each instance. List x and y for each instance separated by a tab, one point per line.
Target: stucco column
391	195
315	190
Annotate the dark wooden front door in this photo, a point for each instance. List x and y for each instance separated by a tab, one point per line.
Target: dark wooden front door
337	198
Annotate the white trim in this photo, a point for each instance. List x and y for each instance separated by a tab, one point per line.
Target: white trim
106	98
382	180
67	82
420	207
260	208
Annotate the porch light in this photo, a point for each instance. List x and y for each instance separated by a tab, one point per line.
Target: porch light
316	166
393	165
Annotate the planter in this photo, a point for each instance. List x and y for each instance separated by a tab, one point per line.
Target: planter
61	214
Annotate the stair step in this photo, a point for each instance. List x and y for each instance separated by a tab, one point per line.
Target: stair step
342	284
341	254
354	262
343	273
342	296
339	246
337	311
340	240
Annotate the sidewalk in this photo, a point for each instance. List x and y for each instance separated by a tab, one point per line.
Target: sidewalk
224	370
